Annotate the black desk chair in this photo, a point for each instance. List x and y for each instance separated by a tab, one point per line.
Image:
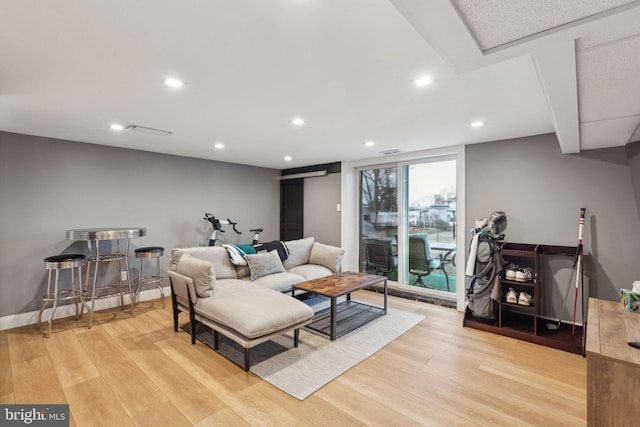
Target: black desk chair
379	255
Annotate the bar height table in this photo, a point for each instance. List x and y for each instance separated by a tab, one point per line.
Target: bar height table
93	236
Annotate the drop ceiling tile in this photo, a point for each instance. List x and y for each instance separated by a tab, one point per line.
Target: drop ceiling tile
611	34
607	133
609	80
497	22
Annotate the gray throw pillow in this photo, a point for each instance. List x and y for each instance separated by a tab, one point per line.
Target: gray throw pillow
202	273
265	263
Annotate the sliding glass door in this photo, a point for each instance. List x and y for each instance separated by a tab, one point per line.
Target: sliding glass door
408	223
379	221
429	235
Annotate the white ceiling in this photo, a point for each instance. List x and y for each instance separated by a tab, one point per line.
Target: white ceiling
69	69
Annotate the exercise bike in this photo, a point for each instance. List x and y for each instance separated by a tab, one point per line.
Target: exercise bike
256	235
217	227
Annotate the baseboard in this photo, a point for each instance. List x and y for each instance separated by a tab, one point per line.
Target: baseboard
394	290
67	310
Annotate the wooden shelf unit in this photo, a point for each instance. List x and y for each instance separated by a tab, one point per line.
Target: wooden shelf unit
524	322
525	256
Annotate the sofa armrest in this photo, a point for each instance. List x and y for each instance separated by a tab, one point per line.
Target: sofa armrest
183	287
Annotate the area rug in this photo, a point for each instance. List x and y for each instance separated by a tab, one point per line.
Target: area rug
316	361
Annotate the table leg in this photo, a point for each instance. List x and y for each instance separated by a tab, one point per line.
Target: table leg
385	296
120	283
93	291
126	261
332	331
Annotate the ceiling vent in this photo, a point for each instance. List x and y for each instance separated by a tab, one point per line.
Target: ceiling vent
387	152
152	131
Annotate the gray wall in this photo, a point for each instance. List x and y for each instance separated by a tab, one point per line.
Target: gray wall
542	190
49	186
321	219
633	157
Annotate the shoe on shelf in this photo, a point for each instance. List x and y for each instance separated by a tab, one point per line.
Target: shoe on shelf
510	273
524	299
524	275
511	296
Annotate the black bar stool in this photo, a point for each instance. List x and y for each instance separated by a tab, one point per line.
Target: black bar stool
150	252
57	263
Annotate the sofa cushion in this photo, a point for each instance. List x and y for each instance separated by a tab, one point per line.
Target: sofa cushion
202	273
243	271
216	255
269	311
299	252
310	271
327	256
280	282
263	264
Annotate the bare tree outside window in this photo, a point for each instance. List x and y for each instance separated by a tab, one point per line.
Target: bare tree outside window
379	194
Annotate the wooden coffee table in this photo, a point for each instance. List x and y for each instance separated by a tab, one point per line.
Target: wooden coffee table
348	315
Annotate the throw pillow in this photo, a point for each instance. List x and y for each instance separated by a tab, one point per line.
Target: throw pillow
202	273
216	255
327	256
263	264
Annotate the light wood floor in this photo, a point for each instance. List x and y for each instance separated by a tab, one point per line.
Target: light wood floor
137	371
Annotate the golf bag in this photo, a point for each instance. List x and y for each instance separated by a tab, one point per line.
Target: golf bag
485	268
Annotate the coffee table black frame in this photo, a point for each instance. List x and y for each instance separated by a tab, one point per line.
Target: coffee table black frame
344	317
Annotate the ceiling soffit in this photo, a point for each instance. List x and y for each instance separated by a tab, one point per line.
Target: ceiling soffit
592	89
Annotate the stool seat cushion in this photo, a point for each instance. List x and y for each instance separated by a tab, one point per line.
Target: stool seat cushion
64	257
64	261
150	249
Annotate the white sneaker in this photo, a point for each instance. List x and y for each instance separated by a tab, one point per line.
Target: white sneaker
510	272
524	299
524	275
511	296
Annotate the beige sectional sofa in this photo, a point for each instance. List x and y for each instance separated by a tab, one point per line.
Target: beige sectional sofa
251	303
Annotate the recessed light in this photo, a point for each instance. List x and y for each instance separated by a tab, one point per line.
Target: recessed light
369	143
171	82
297	121
117	126
477	124
219	146
288	158
423	81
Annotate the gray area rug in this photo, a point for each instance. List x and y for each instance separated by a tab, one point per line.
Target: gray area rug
317	361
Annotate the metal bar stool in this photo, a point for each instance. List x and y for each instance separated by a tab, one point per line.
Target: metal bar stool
150	252
57	263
